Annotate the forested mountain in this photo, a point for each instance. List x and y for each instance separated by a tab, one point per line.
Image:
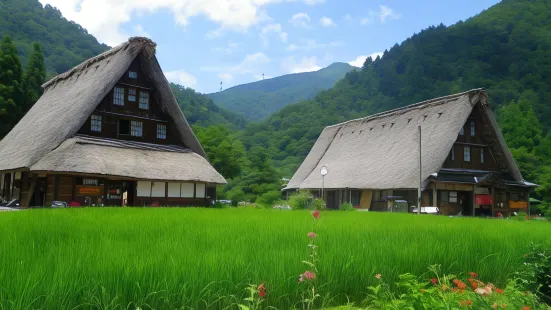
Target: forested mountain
64	42
505	49
200	110
260	99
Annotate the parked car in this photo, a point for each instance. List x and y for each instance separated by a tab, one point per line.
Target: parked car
59	204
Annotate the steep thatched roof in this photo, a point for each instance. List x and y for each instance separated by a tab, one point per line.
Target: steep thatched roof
71	97
89	155
381	151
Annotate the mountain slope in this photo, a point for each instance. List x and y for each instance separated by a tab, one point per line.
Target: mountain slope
506	49
64	43
258	100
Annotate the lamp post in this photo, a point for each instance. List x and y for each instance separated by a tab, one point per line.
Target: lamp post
420	177
323	172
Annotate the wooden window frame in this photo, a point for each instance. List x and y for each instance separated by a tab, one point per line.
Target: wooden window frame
118	96
132	74
481	155
467	154
473	128
161	131
144	100
136	128
95	123
132	94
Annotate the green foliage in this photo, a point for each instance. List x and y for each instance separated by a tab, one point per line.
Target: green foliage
300	200
64	42
448	292
11	91
258	100
347	207
318	204
35	76
224	151
200	110
269	198
535	275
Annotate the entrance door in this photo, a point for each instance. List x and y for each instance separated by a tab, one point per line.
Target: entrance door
39	196
7	186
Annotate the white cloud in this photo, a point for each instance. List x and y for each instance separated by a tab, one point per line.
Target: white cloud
313	44
301	20
327	22
228	49
272	28
226	77
181	77
91	14
382	15
305	64
360	60
251	64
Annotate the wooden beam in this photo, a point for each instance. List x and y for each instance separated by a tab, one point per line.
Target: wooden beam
26	199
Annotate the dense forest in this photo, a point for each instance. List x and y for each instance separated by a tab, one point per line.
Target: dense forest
505	49
260	99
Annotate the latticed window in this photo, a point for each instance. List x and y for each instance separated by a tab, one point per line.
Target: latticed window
472	128
118	99
161	131
95	123
132	94
467	154
93	182
133	74
144	100
136	128
481	156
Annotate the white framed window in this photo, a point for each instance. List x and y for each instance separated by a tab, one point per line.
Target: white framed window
462	131
473	128
481	156
95	123
136	128
158	189
467	153
161	131
133	74
452	197
144	100
187	190
144	189
132	94
118	98
173	190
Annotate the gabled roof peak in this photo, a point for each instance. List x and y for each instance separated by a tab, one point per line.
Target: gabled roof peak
136	42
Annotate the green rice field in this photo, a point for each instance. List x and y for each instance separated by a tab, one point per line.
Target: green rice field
125	258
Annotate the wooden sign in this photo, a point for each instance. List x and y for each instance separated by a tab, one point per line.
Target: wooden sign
90	190
485	200
518	204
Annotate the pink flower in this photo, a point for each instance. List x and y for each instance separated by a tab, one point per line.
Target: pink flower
378	276
309	275
312	235
316	214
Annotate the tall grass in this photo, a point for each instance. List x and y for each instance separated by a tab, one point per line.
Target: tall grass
204	258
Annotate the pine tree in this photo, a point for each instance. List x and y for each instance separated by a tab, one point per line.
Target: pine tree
11	94
35	76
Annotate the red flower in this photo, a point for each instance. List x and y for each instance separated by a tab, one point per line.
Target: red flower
312	235
472	274
309	275
261	290
316	214
434	280
499	291
464	303
378	276
474	285
525	308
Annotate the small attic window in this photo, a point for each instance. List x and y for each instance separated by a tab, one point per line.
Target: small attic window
424	117
391	125
409	120
133	74
439	114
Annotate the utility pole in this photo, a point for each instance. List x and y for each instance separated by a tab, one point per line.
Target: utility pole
220	85
263	76
420	177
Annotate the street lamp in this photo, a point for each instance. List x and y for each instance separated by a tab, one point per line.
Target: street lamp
323	174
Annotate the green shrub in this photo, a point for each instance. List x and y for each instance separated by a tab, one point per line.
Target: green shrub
300	200
269	198
347	207
536	272
318	204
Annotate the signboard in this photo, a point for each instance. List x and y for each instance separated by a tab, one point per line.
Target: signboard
518	204
484	200
90	190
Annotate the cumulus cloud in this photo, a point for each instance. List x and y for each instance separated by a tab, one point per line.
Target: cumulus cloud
312	44
272	28
301	20
382	15
360	60
305	64
327	22
181	77
228	14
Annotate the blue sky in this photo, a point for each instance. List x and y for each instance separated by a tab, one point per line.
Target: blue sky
203	42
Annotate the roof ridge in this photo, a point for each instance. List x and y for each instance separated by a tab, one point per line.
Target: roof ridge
406	108
85	64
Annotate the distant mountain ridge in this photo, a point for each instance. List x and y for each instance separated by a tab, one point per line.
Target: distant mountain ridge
260	99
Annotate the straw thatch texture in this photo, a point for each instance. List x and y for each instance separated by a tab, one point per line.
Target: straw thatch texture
382	151
128	159
70	98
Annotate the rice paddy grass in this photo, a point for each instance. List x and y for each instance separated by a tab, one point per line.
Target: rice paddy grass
125	258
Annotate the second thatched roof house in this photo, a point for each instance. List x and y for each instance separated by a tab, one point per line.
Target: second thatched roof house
107	132
374	162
